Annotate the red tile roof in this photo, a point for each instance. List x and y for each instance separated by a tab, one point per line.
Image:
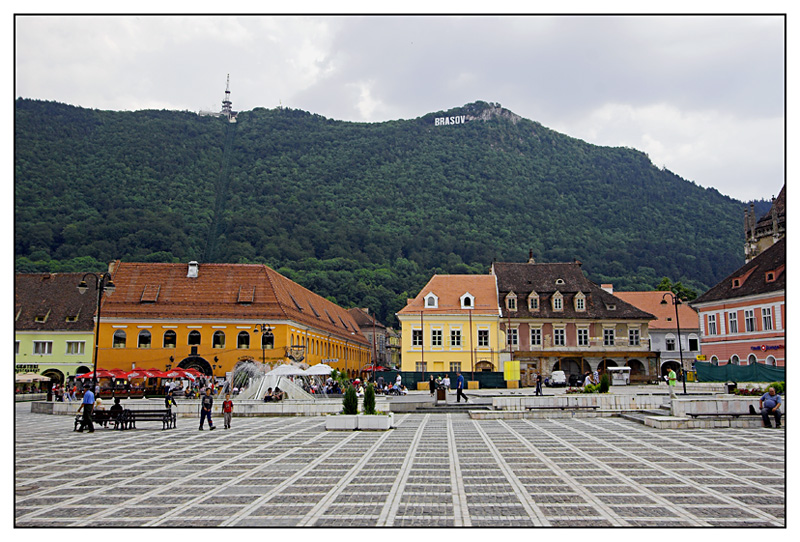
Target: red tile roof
450	288
55	299
665	314
221	292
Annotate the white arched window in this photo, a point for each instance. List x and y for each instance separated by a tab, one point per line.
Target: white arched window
144	339
752	359
119	339
170	339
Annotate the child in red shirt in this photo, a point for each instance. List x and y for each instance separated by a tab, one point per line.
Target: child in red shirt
227	410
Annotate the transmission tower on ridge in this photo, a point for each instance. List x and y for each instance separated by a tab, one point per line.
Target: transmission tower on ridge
226	103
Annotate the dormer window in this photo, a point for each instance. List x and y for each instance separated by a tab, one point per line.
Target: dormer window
467	301
580	302
41	318
611	307
558	301
559	282
431	301
771	276
511	302
736	283
533	302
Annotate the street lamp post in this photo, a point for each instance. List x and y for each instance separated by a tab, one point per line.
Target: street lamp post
102	283
266	333
677	301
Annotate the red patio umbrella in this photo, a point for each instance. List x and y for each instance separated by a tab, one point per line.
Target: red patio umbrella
141	373
193	371
101	373
179	373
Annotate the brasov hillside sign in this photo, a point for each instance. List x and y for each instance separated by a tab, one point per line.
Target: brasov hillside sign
443	121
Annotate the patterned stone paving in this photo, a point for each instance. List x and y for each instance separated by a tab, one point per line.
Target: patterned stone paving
432	470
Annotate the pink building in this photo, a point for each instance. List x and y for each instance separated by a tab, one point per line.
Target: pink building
742	319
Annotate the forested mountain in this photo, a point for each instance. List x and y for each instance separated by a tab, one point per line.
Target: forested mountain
362	213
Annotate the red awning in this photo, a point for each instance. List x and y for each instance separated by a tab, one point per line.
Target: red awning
101	373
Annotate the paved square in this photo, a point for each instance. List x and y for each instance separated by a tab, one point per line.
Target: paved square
432	470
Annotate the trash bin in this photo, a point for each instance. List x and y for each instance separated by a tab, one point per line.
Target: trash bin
441	394
731	386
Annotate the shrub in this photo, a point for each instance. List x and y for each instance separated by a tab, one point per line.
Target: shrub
350	401
369	400
605	383
779	387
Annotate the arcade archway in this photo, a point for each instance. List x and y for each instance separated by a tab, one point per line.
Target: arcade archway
55	376
671	364
197	363
637	367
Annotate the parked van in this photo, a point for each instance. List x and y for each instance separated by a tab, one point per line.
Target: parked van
558	378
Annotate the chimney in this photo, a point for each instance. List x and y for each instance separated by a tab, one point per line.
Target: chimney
608	288
530	256
193	269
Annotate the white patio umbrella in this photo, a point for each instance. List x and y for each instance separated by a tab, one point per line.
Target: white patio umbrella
319	369
287	370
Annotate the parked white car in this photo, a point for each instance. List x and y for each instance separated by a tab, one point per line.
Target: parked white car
558	378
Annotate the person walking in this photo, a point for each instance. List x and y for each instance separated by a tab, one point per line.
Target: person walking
672	381
227	411
770	403
205	409
538	384
460	389
87	405
432	384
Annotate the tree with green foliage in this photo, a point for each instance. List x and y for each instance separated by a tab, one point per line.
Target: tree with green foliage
682	292
369	399
350	401
363	213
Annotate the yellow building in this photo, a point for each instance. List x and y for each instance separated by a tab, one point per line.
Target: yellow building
53	325
211	316
452	326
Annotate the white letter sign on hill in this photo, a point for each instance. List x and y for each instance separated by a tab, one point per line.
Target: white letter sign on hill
442	121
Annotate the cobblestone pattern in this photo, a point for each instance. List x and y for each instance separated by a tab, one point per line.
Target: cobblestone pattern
432	470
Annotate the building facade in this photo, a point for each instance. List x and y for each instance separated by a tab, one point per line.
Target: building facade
452	326
769	229
554	318
212	316
374	332
53	325
742	319
664	330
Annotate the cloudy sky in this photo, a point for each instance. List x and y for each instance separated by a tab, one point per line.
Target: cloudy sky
702	95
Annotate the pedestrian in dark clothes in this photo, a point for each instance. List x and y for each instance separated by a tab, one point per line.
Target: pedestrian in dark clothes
432	384
205	409
460	389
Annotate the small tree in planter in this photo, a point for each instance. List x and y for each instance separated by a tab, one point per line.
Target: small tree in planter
350	401
605	383
369	400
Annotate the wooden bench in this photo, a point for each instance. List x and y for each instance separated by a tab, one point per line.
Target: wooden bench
166	417
100	417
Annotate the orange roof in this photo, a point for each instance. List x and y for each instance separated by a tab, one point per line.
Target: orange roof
450	288
665	314
151	291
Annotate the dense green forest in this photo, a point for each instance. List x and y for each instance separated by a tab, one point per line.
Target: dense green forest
363	213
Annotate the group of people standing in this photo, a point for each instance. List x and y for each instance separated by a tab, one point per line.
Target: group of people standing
444	384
